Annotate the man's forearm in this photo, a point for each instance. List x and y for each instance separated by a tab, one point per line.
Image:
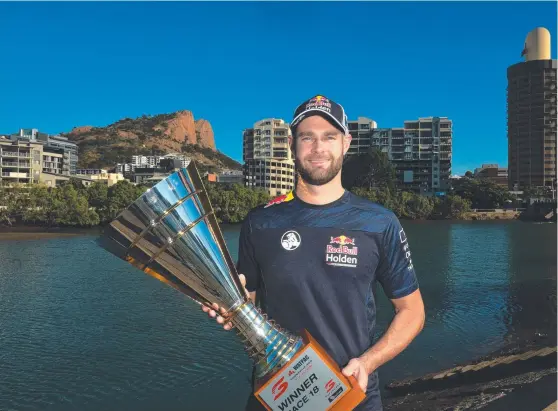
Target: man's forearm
405	326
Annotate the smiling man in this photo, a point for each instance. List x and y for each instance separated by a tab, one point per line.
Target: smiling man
313	259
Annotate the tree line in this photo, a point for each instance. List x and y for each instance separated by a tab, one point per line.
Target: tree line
369	175
70	204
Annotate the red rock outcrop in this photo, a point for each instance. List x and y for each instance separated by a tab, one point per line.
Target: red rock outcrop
204	134
80	130
182	128
126	134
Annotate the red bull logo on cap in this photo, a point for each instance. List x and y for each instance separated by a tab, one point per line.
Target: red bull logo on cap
319	102
342	251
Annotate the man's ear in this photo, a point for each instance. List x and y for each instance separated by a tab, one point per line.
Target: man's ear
346	143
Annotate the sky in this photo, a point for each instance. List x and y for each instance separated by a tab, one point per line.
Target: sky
64	64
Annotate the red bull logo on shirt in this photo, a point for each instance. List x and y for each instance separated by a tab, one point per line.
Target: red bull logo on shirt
280	199
342	251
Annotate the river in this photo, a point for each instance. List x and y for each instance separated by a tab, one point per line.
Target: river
82	330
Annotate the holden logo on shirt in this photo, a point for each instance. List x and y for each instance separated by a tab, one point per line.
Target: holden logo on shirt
290	240
406	250
342	251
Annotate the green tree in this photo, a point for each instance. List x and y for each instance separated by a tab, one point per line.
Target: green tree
97	194
60	206
370	170
38	206
120	196
76	183
451	207
11	204
232	202
482	193
414	206
70	208
97	197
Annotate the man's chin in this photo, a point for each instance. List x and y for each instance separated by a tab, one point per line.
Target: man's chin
317	179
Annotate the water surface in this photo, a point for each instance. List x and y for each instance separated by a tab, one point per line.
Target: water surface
82	330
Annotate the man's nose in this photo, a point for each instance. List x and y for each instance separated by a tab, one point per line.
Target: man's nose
318	145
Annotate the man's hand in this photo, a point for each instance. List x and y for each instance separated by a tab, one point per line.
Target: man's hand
357	368
221	310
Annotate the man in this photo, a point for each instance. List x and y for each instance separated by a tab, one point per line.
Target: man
312	260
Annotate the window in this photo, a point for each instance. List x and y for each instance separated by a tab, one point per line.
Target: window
364	126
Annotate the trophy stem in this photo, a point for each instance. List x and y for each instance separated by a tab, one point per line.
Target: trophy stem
269	346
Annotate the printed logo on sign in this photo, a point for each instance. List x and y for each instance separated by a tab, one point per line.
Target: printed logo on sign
406	250
279	388
290	240
342	251
301	362
306	391
335	394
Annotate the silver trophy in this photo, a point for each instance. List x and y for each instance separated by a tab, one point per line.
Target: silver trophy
171	233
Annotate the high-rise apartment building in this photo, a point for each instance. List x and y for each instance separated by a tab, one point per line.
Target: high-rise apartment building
420	151
68	149
361	133
531	100
268	161
25	161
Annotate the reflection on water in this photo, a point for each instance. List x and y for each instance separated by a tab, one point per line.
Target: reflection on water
477	287
83	330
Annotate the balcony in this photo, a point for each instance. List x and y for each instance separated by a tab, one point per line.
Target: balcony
15	175
9	164
10	154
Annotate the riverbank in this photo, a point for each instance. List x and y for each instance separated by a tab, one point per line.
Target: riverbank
525	380
519	376
26	232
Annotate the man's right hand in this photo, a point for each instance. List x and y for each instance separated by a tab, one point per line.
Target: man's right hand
221	310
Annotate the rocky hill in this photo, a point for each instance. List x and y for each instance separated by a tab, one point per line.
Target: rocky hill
102	147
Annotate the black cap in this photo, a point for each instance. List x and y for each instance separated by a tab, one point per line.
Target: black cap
322	106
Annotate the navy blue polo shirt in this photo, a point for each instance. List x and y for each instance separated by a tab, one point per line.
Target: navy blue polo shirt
315	267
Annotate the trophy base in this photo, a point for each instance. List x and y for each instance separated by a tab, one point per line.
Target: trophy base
311	381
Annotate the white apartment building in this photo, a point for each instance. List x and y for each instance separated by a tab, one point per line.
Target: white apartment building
268	161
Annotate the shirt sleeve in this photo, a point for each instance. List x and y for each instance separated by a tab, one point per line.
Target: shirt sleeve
396	273
247	263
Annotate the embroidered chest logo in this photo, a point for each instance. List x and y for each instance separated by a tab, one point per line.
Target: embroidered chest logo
290	240
342	251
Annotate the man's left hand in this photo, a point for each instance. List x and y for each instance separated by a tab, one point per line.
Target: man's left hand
356	368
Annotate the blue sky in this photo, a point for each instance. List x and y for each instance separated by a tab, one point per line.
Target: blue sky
69	64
